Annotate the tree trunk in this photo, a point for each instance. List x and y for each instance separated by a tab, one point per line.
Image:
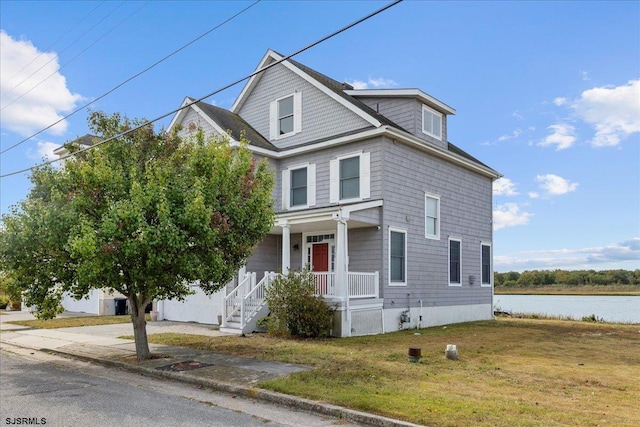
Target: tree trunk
140	328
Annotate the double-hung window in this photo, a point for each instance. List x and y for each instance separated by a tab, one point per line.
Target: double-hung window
299	186
285	116
431	122
485	261
350	178
432	217
455	262
397	257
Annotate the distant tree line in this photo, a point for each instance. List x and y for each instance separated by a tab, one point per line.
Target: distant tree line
533	278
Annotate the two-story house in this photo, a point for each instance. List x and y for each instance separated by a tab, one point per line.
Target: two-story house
394	220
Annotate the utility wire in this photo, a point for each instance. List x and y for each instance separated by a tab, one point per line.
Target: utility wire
132	77
53	44
261	70
4	95
72	59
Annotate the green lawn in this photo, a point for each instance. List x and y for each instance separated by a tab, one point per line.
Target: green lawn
510	372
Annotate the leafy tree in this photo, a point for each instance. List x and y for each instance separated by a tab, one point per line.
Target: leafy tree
145	215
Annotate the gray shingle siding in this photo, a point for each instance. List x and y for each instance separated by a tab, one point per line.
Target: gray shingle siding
465	213
322	117
407	113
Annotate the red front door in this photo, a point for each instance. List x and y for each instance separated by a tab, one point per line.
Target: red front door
320	257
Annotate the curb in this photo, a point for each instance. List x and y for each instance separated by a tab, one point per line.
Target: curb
281	399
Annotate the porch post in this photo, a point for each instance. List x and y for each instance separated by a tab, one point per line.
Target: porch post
286	248
342	271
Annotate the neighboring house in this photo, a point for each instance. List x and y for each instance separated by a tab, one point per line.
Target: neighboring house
394	220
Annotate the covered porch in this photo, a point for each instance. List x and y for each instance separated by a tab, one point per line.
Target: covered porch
321	242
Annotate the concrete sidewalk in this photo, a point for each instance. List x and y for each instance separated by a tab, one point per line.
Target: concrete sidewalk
229	374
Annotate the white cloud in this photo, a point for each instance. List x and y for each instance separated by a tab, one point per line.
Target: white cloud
614	112
504	187
625	254
554	185
509	215
373	83
533	195
516	133
27	104
563	136
560	101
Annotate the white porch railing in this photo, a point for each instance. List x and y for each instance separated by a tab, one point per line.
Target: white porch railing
243	302
361	285
246	299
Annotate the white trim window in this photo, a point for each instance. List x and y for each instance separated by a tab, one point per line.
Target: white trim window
285	116
299	186
455	262
486	271
431	122
397	257
431	216
350	177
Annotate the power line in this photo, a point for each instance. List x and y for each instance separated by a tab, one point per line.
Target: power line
261	70
53	44
54	57
133	77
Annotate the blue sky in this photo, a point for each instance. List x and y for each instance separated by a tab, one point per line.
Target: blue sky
547	93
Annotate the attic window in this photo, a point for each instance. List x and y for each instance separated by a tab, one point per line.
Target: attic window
192	126
285	116
431	122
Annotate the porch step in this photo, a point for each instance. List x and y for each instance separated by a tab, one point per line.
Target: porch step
232	328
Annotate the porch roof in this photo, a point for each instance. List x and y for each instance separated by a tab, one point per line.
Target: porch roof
358	215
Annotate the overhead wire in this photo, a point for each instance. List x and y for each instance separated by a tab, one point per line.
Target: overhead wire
75	57
54	43
4	95
187	105
133	77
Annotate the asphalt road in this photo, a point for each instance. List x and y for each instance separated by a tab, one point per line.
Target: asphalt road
41	389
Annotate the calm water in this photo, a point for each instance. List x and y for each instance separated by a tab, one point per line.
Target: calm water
619	309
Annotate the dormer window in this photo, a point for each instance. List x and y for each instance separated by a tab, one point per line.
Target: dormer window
431	122
285	116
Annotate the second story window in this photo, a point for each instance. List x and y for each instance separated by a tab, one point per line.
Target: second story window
432	217
350	177
431	122
285	116
299	186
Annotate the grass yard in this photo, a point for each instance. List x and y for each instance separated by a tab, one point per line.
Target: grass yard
72	322
510	372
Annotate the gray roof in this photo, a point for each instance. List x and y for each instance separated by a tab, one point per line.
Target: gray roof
231	122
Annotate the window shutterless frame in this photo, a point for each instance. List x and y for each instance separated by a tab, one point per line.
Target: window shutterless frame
397	257
455	262
486	264
431	216
431	122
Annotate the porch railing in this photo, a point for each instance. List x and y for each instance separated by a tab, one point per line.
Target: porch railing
361	285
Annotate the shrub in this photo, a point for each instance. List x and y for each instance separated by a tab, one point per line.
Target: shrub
4	301
295	309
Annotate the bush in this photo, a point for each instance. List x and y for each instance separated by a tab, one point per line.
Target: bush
295	309
4	301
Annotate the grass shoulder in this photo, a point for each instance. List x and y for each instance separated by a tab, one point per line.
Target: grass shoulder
72	322
509	372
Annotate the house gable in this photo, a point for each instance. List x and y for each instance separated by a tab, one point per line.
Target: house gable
321	112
